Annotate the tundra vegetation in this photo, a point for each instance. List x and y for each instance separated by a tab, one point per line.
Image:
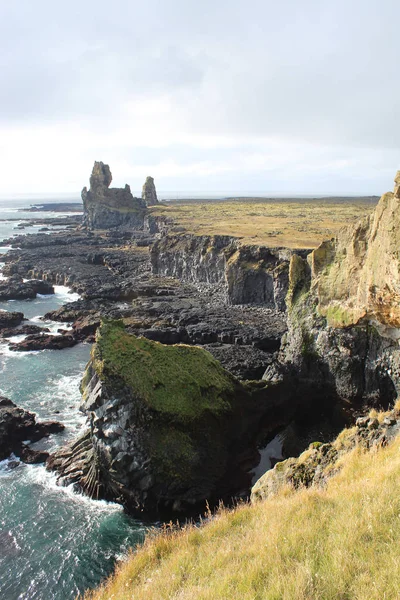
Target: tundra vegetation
292	223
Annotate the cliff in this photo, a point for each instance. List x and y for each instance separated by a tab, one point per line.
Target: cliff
169	428
356	275
106	207
247	274
343	309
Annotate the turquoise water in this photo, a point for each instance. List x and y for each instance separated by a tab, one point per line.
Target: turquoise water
54	543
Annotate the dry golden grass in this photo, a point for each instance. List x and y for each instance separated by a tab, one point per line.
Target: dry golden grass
294	224
341	543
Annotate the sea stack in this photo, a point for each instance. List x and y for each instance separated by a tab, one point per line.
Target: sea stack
149	194
105	207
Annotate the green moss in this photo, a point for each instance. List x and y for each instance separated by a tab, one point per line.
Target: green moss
315	445
337	316
183	381
173	453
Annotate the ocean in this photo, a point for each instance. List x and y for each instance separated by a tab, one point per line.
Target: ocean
54	543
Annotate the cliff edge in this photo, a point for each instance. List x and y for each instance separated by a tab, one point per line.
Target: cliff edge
344	310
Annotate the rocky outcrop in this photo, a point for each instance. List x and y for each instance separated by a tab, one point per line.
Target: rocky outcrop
247	274
10	319
317	464
106	207
343	309
15	288
39	341
17	425
24	330
149	194
169	427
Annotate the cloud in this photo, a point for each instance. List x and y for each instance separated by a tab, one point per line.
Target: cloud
278	84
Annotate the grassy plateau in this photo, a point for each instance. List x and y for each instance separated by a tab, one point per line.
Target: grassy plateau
290	222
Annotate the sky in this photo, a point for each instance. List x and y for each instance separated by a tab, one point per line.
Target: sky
289	97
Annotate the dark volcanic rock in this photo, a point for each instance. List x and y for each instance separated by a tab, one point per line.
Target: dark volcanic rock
149	193
169	427
10	319
106	207
24	330
44	342
248	274
16	289
17	425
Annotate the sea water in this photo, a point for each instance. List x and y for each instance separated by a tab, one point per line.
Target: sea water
54	543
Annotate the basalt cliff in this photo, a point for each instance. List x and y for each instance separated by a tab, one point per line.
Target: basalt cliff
344	311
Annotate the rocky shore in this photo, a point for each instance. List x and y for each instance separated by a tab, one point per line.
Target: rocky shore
270	321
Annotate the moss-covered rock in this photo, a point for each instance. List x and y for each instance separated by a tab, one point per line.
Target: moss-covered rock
169	427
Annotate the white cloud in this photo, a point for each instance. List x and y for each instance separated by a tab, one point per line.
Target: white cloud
290	96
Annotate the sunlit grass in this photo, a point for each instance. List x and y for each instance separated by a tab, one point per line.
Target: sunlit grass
297	224
339	543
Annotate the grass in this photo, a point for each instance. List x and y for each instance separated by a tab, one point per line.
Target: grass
340	543
292	224
181	381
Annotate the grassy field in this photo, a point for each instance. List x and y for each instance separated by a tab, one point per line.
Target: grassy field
339	543
293	223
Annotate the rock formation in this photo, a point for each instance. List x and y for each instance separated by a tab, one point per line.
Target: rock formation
106	207
17	425
169	427
249	274
149	193
10	319
15	288
344	310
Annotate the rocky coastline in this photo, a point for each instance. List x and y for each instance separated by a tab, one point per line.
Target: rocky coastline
270	320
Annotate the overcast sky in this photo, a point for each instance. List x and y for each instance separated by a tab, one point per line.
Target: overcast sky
258	95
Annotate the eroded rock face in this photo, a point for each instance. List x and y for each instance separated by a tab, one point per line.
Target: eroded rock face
249	274
149	194
106	207
169	427
344	309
